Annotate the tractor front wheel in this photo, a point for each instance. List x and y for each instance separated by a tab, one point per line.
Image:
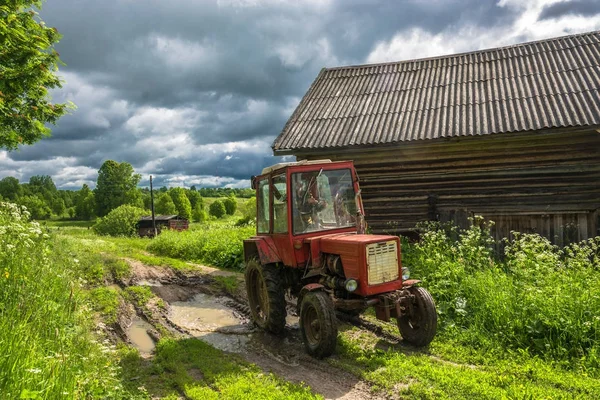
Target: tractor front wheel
419	325
318	324
266	296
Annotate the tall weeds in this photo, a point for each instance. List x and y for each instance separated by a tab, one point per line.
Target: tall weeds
539	298
216	244
47	349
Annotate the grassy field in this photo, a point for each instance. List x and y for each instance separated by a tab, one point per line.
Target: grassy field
524	325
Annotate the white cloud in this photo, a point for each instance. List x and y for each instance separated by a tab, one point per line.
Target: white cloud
182	54
162	121
64	170
418	43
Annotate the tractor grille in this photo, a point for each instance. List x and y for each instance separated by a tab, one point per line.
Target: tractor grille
382	262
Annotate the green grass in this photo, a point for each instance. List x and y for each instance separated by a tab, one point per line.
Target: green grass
229	284
451	371
46	330
217	244
139	295
106	301
198	371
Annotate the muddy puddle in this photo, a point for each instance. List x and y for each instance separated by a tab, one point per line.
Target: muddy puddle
137	333
208	319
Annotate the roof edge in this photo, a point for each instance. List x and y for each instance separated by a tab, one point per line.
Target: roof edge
454	55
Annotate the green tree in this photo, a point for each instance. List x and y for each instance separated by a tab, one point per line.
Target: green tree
122	221
37	207
199	214
217	209
182	203
10	188
194	198
58	206
230	205
164	205
248	209
28	66
85	204
116	185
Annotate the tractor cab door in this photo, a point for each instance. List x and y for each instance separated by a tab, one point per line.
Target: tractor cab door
273	217
280	201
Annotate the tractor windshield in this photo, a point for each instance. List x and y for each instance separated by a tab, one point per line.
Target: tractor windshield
323	200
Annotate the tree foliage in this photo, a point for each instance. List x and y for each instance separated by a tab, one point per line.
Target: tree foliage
28	66
182	203
199	213
194	198
37	207
116	186
230	205
122	221
249	209
217	209
164	205
85	204
10	189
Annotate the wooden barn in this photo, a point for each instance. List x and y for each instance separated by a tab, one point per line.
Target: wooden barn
174	222
512	134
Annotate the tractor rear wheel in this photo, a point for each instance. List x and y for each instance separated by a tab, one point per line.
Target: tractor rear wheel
318	324
418	328
265	296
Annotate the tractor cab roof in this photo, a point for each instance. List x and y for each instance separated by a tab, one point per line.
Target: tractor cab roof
293	164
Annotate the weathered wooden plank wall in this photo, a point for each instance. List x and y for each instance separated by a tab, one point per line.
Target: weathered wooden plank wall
545	182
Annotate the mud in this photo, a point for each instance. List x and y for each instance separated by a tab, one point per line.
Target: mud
196	308
138	334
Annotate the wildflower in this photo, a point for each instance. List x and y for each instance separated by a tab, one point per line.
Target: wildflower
6	274
34	370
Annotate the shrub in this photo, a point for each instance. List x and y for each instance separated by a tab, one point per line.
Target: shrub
230	205
121	221
249	209
217	209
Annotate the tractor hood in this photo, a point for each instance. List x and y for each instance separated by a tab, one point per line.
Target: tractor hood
373	260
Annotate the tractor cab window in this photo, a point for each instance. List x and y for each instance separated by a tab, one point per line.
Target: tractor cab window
323	200
262	207
280	215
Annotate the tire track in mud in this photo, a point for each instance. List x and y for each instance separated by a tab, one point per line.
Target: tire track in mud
196	309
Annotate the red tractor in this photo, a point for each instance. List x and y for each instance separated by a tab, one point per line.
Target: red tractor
310	240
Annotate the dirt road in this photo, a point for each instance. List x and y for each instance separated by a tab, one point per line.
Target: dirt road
195	304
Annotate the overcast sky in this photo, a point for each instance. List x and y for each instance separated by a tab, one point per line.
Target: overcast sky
195	91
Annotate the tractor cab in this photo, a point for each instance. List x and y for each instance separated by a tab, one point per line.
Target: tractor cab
310	240
307	197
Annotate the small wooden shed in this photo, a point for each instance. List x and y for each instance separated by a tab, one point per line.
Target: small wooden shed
174	222
511	133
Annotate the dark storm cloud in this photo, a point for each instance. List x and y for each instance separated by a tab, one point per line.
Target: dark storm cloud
170	53
573	7
168	86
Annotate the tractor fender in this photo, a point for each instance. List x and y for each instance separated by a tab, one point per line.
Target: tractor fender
311	287
410	282
261	248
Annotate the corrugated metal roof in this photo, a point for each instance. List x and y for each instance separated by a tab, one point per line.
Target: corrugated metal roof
159	217
552	83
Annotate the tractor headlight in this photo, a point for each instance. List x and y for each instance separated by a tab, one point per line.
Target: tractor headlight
351	285
405	273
